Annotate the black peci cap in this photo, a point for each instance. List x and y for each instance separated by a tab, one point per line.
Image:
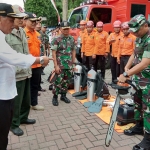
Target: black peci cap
7	10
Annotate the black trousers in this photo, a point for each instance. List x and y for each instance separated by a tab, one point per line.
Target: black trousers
39	88
115	68
123	61
35	80
6	114
88	61
100	59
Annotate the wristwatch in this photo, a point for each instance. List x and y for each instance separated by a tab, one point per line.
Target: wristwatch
125	74
41	60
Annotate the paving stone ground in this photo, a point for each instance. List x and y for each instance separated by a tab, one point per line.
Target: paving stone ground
67	127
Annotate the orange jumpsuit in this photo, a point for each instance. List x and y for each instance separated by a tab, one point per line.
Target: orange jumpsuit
126	48
88	46
115	67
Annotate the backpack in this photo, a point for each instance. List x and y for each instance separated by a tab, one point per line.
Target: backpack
101	87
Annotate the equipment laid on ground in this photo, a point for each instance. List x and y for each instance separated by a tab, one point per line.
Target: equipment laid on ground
122	93
83	91
91	83
77	78
125	114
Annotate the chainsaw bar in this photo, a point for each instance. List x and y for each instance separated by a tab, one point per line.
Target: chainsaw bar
112	121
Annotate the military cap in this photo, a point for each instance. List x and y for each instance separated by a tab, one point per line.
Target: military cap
136	22
7	10
31	16
65	25
44	25
19	11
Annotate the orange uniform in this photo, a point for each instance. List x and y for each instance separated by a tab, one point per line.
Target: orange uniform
81	34
34	43
100	43
126	45
115	45
88	44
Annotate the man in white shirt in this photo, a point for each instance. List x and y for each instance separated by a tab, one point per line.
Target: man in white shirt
9	58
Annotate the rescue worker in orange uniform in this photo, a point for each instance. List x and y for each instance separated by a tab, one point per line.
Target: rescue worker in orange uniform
34	43
100	47
82	29
88	45
80	39
113	40
126	47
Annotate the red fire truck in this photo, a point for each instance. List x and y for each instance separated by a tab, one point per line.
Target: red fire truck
107	12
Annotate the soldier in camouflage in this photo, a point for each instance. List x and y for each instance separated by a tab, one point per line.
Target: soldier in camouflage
63	52
140	71
45	39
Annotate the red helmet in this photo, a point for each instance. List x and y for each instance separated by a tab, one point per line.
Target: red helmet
125	25
99	24
82	22
90	24
117	24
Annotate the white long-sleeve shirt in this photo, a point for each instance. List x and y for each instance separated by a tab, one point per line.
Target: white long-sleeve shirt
9	58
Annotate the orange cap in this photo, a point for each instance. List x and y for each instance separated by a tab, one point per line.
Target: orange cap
117	23
82	22
90	24
99	24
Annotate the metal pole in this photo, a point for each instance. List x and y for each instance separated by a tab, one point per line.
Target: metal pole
65	10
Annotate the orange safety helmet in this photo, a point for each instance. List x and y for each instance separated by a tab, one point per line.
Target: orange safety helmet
117	24
125	25
99	24
90	24
82	22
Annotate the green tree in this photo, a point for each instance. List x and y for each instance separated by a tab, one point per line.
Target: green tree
43	8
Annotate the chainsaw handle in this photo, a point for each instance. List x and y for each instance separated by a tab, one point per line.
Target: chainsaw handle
129	82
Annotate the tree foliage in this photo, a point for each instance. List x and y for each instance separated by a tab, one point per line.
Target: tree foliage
44	8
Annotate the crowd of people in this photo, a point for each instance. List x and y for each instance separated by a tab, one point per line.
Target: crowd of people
128	46
24	43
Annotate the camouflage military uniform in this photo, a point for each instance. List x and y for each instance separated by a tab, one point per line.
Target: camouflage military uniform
64	47
45	41
142	80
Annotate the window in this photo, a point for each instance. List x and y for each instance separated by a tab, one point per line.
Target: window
81	13
101	14
137	9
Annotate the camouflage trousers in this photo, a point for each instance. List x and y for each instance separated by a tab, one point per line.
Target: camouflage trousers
142	104
62	81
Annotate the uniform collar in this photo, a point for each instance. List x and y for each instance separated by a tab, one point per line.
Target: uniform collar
27	30
15	32
145	36
62	36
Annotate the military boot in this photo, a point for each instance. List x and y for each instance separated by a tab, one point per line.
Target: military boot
137	129
64	98
55	100
144	144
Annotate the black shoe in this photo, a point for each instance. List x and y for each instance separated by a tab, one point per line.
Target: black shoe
64	98
144	144
137	129
17	131
55	100
29	121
